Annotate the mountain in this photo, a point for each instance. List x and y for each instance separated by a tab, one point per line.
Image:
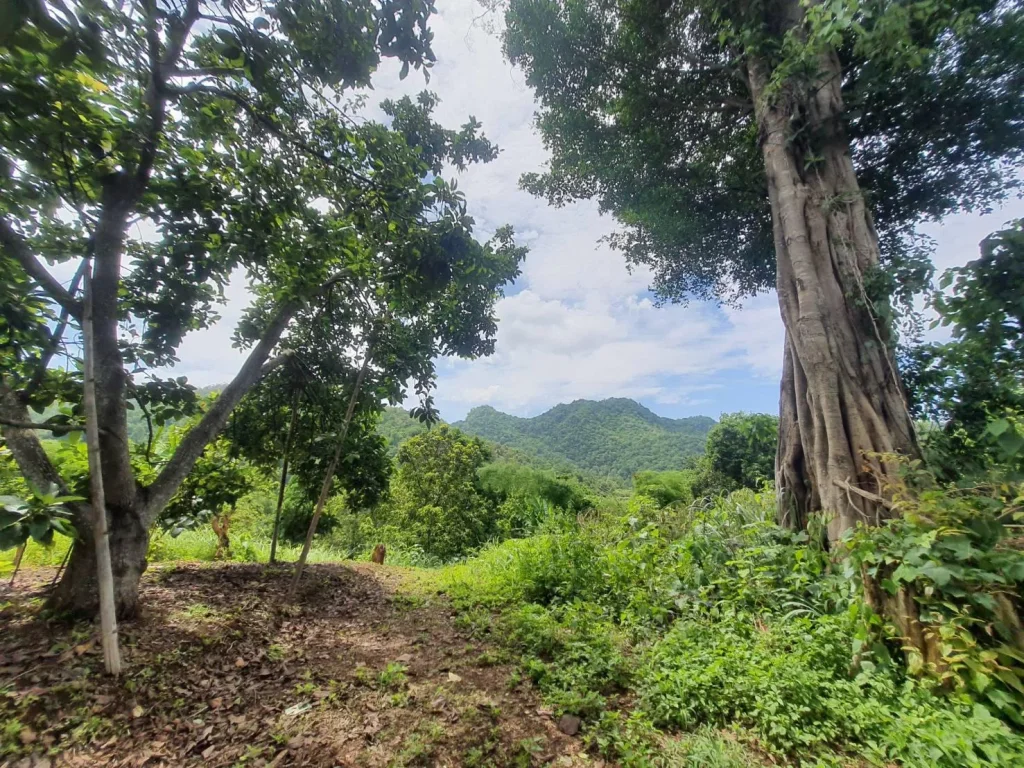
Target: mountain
396	426
614	437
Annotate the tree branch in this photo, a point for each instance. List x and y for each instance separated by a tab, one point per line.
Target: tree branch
42	425
274	363
54	342
179	35
207	72
155	98
17	247
212	90
28	452
191	447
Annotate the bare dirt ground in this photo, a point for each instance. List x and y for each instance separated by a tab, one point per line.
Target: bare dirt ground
361	670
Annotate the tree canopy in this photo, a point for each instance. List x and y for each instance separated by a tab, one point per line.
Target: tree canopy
154	152
970	389
741	449
647	108
436	499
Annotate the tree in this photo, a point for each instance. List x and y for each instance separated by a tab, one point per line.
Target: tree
741	450
436	501
397	426
666	488
264	438
213	128
503	479
792	143
210	492
971	388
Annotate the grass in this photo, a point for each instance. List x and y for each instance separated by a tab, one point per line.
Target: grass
191	546
36	555
200	545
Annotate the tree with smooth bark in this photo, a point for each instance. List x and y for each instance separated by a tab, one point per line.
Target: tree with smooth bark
270	424
101	537
173	145
328	482
792	144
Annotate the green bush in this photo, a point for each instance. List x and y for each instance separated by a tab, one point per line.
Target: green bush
954	552
666	487
712	616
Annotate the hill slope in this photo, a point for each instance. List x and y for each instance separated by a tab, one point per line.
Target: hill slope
614	437
397	426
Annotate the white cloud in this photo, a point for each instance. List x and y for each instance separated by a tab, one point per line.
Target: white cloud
551	351
580	324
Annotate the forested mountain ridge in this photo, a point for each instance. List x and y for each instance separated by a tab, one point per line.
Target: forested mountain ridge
397	425
615	437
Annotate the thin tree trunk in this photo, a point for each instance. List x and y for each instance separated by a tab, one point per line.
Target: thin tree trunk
284	477
63	562
842	404
17	562
325	488
101	539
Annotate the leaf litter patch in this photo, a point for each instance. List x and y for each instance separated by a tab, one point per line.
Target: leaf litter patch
222	671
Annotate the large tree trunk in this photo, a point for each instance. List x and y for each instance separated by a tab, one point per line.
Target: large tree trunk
842	402
842	409
77	592
128	537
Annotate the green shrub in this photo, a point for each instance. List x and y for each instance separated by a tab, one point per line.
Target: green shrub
713	616
953	551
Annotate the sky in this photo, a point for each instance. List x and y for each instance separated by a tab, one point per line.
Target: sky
577	323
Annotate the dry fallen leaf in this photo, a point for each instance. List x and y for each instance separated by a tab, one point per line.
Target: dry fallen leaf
138	711
84	647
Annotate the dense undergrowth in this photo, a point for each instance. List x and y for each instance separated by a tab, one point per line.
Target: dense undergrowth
703	634
665	621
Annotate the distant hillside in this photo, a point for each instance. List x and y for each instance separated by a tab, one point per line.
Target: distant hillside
396	426
614	437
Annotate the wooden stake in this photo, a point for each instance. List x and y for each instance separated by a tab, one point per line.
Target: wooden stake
101	534
325	489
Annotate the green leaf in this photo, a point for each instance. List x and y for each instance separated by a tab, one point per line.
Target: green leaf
937	573
997	427
13	536
39	527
